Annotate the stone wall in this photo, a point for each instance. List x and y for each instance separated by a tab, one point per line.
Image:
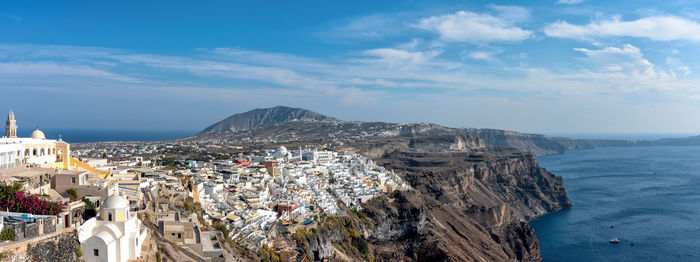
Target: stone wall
60	246
28	229
50	225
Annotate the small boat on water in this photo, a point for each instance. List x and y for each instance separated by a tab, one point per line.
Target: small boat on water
614	241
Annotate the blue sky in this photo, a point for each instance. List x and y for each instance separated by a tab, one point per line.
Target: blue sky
554	66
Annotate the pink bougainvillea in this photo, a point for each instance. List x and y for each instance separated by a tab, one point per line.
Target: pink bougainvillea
14	200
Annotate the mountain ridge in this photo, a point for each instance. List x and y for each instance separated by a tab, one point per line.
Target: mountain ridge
280	121
263	117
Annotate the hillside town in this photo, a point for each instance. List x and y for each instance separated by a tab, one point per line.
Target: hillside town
179	200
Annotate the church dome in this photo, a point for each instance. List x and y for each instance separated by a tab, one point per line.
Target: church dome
38	134
282	150
115	201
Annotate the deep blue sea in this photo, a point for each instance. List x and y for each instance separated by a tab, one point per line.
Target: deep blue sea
650	194
99	135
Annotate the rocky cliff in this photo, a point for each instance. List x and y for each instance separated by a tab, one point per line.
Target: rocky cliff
534	143
469	203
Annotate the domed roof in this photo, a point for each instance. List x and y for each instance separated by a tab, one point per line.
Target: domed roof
38	134
115	201
282	150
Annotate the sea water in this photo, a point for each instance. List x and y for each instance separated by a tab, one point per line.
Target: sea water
650	195
102	135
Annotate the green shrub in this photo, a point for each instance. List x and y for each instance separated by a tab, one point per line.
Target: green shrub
394	193
90	209
361	245
7	234
73	194
357	213
78	252
222	227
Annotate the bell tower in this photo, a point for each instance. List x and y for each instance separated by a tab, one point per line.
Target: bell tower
11	126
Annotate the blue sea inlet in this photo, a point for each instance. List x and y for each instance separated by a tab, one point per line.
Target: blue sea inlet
649	195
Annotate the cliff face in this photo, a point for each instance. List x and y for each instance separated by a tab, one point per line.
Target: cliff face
479	202
379	147
470	203
534	143
487	178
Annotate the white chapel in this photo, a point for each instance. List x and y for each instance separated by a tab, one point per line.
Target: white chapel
115	235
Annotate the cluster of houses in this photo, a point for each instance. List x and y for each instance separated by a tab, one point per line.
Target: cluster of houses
249	194
265	187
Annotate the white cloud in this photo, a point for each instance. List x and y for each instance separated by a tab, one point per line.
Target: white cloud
369	85
469	27
483	55
627	68
569	2
53	69
370	27
678	66
659	28
511	13
401	58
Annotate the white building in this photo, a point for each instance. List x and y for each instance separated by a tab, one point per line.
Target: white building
116	236
320	157
36	149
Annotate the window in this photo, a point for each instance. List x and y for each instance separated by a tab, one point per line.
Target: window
109	217
96	252
72	180
179	236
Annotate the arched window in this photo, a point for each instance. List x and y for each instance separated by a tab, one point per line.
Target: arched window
43	152
109	216
34	152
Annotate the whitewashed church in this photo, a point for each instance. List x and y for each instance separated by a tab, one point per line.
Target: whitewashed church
115	235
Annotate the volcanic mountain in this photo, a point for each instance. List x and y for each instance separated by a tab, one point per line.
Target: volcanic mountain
264	117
